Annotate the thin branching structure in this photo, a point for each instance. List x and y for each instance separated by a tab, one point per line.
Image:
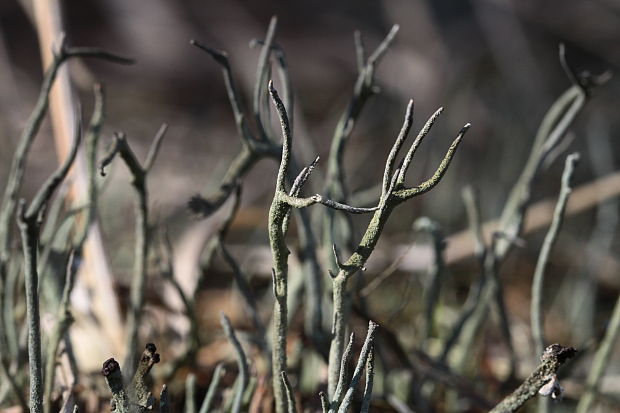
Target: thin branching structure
549	137
243	377
139	175
364	88
349	381
29	219
65	319
9	202
536	313
258	145
282	202
601	361
394	192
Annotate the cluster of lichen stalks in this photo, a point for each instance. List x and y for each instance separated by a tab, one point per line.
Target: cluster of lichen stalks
262	143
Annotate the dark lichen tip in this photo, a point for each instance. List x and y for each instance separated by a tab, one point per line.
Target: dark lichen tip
109	366
151	348
559	352
199	207
156	358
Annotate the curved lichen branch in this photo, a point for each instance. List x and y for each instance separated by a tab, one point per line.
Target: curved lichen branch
18	165
430	183
302	177
283	72
552	359
320	199
360	50
549	136
536	313
290	396
400	140
231	89
262	76
242	363
155	146
62	51
585	80
65	318
363	89
299	182
254	146
601	361
370	377
383	46
283	197
286	138
337	259
416	143
44	195
29	221
219	371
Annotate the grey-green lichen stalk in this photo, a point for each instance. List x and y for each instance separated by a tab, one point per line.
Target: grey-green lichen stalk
394	192
278	213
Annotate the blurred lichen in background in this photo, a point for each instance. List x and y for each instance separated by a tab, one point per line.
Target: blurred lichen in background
459	294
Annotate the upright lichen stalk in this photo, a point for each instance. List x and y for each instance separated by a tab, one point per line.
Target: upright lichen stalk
278	223
277	213
393	193
14	181
139	176
363	90
29	221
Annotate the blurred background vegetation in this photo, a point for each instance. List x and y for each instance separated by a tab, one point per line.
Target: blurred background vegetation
493	63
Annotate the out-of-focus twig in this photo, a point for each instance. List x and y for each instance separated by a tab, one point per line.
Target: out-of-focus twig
363	89
29	221
545	251
139	175
205	407
190	393
432	284
65	319
550	134
601	361
536	312
552	130
242	362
